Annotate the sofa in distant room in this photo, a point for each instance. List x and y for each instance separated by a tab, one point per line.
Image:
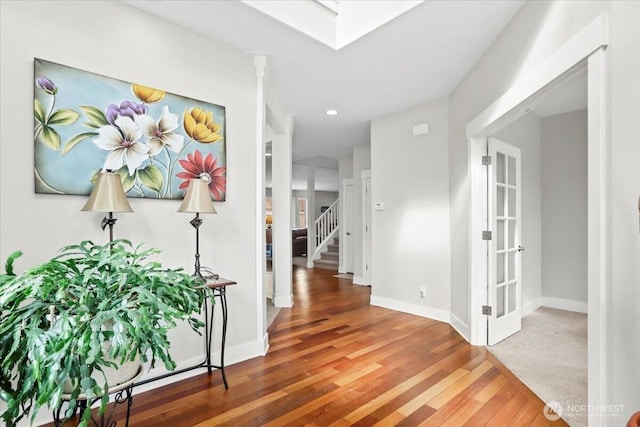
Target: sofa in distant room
299	241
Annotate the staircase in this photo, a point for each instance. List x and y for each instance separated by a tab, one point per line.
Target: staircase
329	258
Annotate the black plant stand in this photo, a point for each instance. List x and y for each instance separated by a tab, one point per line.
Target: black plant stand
123	395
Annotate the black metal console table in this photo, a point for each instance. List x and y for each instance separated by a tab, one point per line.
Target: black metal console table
219	291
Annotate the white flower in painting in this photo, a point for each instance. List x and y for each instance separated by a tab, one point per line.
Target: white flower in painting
160	134
123	143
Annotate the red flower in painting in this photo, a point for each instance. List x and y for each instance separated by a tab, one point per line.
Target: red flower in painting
205	168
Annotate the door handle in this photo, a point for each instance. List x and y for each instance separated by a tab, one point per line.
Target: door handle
348	234
520	249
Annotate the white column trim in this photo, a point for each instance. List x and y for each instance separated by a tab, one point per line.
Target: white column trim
311	214
260	62
597	227
282	245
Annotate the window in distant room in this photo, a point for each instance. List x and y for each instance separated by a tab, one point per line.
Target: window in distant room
302	213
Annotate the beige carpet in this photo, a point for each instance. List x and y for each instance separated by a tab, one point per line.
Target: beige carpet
549	355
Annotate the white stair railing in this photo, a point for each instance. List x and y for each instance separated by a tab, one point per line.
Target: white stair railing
327	224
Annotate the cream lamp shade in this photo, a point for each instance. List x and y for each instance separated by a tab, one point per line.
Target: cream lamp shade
197	198
107	195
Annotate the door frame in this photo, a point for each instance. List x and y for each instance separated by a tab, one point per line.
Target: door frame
586	49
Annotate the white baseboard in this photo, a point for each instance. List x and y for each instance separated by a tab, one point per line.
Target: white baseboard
265	344
232	355
285	302
531	306
341	269
161	370
405	307
461	327
359	280
565	304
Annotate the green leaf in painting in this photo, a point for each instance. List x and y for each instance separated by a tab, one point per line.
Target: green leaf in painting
39	111
151	177
50	137
128	181
75	140
64	116
94	115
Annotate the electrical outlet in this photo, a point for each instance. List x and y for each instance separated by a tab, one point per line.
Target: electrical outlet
423	291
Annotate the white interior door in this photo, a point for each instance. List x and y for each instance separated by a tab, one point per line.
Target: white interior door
367	207
505	248
346	238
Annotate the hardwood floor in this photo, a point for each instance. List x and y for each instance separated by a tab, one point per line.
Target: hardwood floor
335	360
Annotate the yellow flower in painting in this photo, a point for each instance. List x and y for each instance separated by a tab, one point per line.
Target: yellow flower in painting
199	125
148	94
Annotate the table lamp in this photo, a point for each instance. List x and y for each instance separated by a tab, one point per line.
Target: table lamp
197	200
108	196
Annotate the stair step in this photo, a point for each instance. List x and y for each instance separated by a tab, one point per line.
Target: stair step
333	248
326	264
332	256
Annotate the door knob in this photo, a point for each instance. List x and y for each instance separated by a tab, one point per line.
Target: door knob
520	249
348	234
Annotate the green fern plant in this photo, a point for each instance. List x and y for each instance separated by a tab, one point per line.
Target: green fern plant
56	317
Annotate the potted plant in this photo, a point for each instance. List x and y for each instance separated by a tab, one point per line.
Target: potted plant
89	308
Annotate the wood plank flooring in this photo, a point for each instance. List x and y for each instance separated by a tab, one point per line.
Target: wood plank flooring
335	360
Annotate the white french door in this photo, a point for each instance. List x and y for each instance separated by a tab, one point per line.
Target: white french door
505	284
367	207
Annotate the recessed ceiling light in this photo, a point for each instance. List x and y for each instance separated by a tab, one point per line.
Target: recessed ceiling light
331	112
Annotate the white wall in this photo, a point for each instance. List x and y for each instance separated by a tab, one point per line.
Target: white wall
361	162
525	133
537	30
564	206
345	168
409	176
116	40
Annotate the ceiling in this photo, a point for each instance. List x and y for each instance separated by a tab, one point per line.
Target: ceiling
418	57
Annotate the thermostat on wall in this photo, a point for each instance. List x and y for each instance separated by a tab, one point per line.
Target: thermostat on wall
379	206
421	129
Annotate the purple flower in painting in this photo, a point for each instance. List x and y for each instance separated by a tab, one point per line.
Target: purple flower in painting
125	109
47	85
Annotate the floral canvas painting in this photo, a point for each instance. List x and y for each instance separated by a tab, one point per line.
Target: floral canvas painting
156	141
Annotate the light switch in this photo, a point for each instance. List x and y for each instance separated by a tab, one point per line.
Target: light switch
379	206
